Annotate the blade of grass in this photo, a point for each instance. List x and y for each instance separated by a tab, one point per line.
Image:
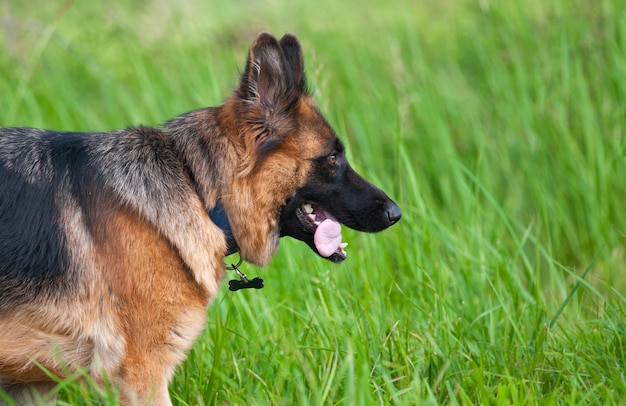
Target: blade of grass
579	282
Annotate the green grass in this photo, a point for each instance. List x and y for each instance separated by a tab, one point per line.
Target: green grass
499	128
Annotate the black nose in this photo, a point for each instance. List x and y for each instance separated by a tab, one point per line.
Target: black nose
393	212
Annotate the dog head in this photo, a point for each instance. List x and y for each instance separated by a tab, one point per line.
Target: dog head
292	178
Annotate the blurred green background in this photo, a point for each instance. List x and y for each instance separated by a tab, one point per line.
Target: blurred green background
498	127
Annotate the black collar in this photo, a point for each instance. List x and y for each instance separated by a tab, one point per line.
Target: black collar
218	216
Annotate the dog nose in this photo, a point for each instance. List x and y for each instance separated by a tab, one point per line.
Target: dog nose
393	212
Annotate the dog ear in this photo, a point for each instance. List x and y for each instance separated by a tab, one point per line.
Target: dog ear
293	56
268	94
266	77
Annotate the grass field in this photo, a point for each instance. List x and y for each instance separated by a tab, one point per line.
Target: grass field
498	127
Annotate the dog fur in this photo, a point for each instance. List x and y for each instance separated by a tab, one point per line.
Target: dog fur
108	254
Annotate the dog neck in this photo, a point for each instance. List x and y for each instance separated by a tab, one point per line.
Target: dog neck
218	216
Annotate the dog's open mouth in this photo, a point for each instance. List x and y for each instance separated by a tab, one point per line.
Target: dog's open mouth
326	231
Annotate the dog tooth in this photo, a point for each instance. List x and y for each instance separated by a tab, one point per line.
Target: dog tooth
308	208
343	245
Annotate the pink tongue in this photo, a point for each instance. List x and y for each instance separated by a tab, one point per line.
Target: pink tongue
328	236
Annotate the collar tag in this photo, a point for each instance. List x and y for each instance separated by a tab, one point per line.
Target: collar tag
243	282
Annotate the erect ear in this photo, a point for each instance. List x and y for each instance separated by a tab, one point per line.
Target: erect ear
266	77
295	63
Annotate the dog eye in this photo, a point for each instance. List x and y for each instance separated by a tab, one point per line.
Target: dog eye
332	159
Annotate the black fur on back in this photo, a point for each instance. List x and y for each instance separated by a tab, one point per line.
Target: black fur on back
34	165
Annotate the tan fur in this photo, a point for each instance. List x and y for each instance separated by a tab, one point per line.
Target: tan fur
160	306
158	311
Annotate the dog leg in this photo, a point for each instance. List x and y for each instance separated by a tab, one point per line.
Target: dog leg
138	389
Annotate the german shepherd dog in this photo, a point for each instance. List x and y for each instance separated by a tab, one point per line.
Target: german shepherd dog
112	244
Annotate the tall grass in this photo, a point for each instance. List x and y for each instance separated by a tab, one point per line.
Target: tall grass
498	127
